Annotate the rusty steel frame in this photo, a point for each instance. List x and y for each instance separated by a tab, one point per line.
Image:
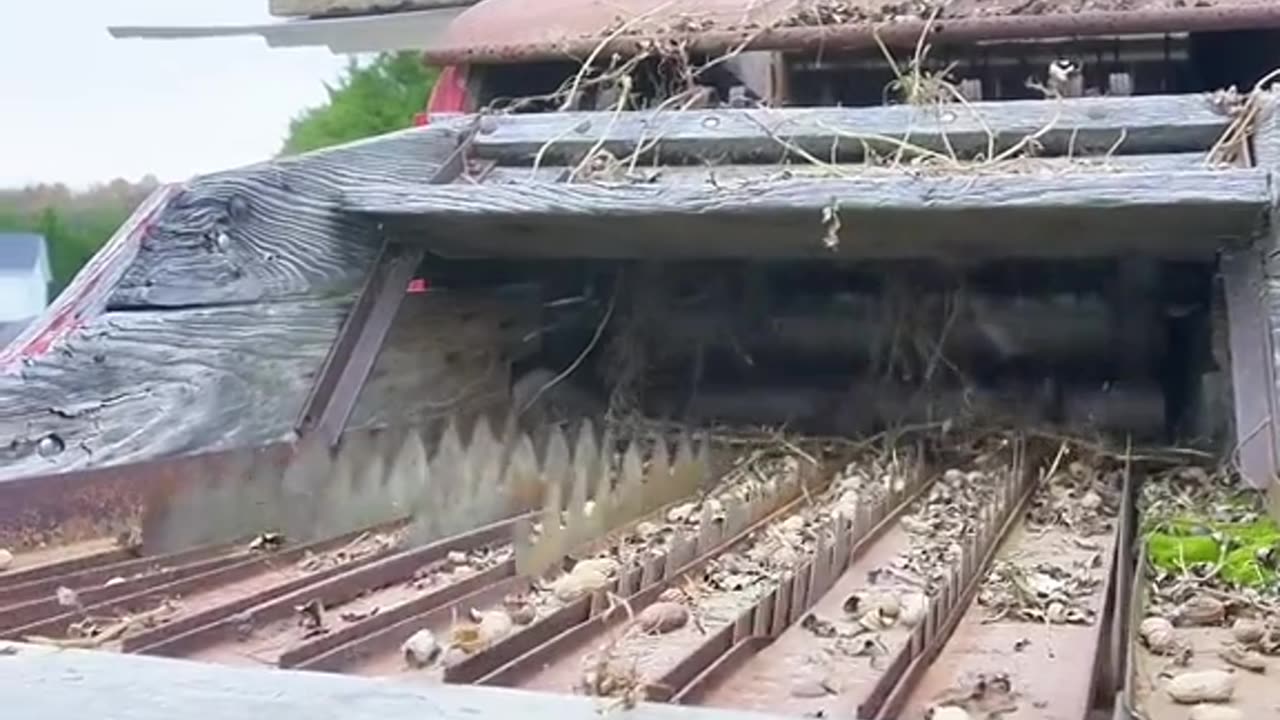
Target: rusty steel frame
652	581
73	576
1113	678
570	627
259	563
862	36
701	676
42	602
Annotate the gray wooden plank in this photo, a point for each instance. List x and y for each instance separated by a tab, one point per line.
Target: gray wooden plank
49	684
1252	362
273	230
138	385
1146	124
1256	316
922	194
1064	215
733	173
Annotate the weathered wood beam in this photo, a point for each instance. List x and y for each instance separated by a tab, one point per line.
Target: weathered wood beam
1252	383
1065	215
273	230
798	168
56	684
144	384
1254	281
1082	126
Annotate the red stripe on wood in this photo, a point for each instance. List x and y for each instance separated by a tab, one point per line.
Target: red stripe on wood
86	295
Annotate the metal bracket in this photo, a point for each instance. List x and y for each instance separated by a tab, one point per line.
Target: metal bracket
356	348
359	342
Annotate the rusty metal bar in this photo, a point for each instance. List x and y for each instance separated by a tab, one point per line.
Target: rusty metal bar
296	656
356	348
535	642
96	570
724	666
55	625
90	558
47	605
863	36
487	589
889	697
775	612
1126	697
517	669
337	589
1121	583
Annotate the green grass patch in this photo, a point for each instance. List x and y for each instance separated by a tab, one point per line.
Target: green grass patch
1246	551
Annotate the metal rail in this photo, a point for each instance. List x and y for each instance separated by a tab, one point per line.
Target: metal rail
864	35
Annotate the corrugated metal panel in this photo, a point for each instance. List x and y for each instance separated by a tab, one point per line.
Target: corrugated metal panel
416	30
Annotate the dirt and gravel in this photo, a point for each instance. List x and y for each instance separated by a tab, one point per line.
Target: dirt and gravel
1036	617
1208	641
827	664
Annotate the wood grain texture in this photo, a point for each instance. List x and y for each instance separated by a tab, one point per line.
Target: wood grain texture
1266	323
1252	364
139	385
1063	215
52	684
735	173
273	230
1148	124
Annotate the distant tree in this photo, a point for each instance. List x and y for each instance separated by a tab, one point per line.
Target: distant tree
74	223
367	100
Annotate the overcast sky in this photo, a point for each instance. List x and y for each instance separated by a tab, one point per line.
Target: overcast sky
78	106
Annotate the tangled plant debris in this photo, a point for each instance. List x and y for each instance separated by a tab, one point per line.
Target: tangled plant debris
712	597
1080	500
947	517
366	545
1045	592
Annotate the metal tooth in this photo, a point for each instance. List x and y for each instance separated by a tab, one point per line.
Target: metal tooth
351	498
762	625
597	504
781	607
310	469
971	89
238	498
373	477
1120	84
